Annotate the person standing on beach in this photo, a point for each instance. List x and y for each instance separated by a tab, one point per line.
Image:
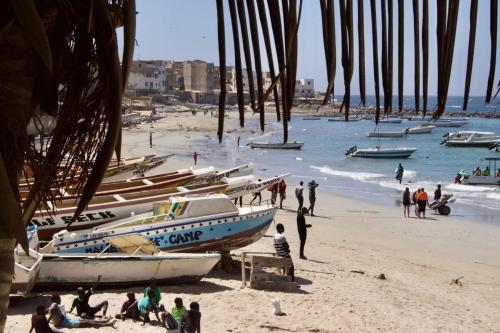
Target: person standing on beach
302	229
399	172
274	192
282	248
414	199
299	194
422	202
437	193
312	196
150	139
239	141
195	157
282	192
406	202
257	195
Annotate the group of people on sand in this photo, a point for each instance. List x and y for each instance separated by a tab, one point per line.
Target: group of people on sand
179	318
299	194
420	199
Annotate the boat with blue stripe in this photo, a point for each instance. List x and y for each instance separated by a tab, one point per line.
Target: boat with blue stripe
181	224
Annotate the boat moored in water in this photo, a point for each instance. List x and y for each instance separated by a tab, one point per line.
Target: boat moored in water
491	178
420	129
378	152
470	139
380	134
265	145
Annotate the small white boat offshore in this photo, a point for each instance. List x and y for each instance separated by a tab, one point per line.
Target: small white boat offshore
390	121
470	139
343	119
491	177
379	134
266	145
181	224
448	123
421	129
137	262
378	152
104	209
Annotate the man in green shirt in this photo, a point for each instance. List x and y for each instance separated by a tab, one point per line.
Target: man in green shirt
312	196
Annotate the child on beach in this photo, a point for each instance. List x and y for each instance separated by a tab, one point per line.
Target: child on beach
148	304
130	308
191	320
282	248
60	320
39	322
172	320
81	302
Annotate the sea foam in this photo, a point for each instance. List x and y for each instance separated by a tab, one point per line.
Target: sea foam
353	175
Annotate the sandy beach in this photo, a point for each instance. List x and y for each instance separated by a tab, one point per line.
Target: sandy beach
349	245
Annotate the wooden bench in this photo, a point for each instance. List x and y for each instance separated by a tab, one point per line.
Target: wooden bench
267	280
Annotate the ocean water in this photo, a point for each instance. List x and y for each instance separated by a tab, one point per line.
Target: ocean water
322	158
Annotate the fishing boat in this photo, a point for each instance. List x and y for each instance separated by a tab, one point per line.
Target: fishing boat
379	134
104	209
420	129
470	139
137	262
378	152
448	123
181	177
492	179
343	119
192	224
266	145
390	121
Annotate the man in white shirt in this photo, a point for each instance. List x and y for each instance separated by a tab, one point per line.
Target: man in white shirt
299	193
282	248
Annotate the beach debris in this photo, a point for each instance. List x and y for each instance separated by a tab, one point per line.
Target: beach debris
358	272
381	276
457	281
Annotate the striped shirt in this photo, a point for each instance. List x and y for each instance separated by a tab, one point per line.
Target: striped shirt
281	245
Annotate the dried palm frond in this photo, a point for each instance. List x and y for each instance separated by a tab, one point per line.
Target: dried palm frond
390	54
237	62
401	52
449	26
270	60
254	32
416	47
373	11
346	29
361	43
328	23
493	52
385	74
246	50
470	54
425	53
222	67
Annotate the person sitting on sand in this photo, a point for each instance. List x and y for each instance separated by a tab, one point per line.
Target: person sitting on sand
39	322
153	285
406	202
191	320
130	308
302	229
148	304
282	248
60	320
81	302
312	196
172	320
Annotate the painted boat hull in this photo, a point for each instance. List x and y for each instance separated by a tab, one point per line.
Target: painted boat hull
221	234
482	180
291	145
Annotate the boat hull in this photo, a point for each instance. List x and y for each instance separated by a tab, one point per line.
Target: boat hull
59	271
420	130
193	235
385	134
293	145
383	154
452	143
482	180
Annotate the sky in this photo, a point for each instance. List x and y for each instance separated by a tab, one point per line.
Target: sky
187	30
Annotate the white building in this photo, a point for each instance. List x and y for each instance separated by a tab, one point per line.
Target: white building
147	76
304	88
